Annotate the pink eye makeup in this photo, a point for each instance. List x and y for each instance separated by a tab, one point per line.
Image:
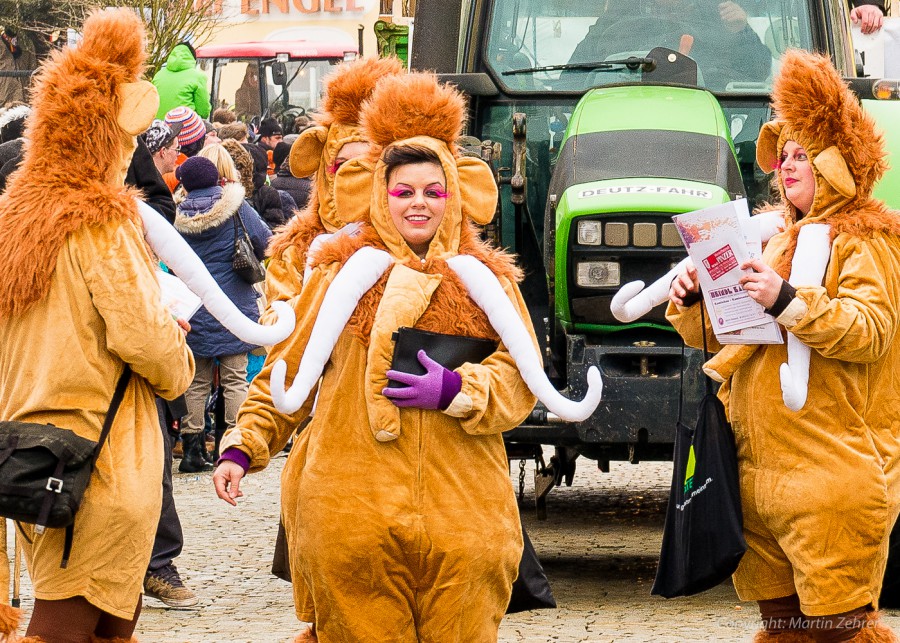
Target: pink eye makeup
431	192
334	167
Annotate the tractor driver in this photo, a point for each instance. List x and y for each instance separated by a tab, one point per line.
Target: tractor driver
718	37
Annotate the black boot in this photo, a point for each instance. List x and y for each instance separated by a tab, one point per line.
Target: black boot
192	461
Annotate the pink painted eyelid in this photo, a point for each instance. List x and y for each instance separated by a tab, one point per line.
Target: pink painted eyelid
438	192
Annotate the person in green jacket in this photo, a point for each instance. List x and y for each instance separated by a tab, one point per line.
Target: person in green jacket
180	83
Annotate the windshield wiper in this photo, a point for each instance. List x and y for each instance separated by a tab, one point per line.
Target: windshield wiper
633	63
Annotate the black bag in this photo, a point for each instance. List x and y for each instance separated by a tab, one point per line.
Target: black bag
45	470
703	540
450	351
531	591
243	259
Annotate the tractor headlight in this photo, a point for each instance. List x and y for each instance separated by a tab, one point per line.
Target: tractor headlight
589	233
597	274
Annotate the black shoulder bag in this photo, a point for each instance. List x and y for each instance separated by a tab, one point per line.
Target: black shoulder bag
703	539
45	470
243	259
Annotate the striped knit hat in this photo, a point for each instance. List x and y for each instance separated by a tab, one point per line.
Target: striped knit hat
192	128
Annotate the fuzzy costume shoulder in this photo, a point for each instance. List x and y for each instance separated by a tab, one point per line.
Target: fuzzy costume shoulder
72	144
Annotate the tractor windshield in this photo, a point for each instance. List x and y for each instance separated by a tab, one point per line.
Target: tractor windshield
736	44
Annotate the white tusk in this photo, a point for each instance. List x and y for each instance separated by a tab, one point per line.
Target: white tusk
807	269
178	255
485	289
633	301
356	277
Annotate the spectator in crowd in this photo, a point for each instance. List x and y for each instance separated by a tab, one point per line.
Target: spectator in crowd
181	84
191	138
269	134
265	199
223	116
298	188
207	219
143	174
212	135
162	142
868	14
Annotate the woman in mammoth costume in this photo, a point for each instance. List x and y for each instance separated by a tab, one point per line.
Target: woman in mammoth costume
818	464
405	509
335	138
77	286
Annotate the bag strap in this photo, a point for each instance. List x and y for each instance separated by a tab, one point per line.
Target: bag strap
113	409
706	357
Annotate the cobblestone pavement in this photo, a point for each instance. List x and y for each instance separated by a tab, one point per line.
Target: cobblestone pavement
598	545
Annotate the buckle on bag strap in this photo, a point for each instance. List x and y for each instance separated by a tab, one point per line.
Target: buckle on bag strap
54	484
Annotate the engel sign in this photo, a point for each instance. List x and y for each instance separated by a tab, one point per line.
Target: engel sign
645	189
332	9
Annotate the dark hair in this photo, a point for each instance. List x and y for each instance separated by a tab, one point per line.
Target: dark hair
189	46
280	153
397	155
191	149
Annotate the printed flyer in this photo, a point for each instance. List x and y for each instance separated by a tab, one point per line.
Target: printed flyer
719	240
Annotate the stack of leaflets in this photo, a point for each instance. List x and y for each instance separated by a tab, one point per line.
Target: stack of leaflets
177	297
720	239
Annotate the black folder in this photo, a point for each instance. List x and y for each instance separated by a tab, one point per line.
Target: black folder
450	351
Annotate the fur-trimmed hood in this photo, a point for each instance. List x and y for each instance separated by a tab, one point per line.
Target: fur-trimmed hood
204	209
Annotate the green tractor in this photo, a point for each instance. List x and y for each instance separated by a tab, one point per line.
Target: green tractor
603	119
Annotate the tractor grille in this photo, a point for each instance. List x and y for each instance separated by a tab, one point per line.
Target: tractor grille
613	252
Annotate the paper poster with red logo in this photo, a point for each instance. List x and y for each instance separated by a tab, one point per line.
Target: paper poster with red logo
719	240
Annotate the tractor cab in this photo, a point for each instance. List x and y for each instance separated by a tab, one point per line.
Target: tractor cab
279	79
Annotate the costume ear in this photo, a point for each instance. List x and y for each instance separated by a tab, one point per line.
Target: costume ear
353	186
767	146
306	152
139	103
831	164
478	190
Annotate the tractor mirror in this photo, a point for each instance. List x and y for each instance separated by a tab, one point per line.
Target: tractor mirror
279	74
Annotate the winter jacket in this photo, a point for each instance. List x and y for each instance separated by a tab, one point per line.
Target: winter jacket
267	202
205	218
180	83
299	189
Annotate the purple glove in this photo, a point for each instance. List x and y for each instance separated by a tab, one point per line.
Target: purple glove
434	390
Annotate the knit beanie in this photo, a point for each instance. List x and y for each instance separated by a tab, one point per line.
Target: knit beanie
192	128
197	173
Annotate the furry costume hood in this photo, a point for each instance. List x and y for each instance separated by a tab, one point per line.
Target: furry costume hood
76	150
817	110
317	147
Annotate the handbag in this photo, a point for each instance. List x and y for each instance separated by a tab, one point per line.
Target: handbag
531	589
450	351
703	539
243	259
45	470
